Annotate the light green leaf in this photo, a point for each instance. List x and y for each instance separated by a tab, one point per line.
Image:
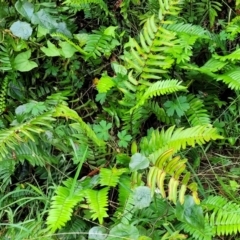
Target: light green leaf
123	231
67	50
44	19
138	161
105	83
21	29
51	50
190	213
25	8
110	31
97	233
22	62
142	197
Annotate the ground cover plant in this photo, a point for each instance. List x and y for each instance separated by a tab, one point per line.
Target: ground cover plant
119	120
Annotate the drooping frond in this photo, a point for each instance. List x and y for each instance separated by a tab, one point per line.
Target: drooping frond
11	137
158	141
64	111
98	202
197	114
62	204
159	88
158	175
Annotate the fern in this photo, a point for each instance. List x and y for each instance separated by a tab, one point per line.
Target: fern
110	177
82	3
175	167
62	204
197	114
6	58
223	215
7	168
98	201
157	141
11	137
159	88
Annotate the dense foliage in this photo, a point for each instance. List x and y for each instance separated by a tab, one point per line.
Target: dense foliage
119	120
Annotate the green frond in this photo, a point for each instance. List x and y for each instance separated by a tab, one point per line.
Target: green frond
35	154
213	65
98	202
6	58
234	56
158	141
197	114
234	27
11	137
75	226
159	88
110	177
125	199
82	3
132	122
192	30
231	78
62	204
159	112
98	44
64	111
197	233
7	168
223	215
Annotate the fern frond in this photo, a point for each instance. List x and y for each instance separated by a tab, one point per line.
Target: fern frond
231	78
197	233
6	58
177	139
223	215
159	88
11	137
193	30
64	111
159	112
234	27
158	175
197	114
110	177
234	56
98	44
62	204
82	3
98	202
125	199
7	168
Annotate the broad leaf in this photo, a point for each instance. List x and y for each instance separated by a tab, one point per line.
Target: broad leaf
21	29
97	233
22	62
67	50
142	197
190	213
44	19
25	8
138	161
123	231
51	50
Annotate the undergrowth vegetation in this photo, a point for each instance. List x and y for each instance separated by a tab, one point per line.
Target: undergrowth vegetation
119	119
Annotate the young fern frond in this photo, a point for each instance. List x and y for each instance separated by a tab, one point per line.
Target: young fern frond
62	204
98	202
197	114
